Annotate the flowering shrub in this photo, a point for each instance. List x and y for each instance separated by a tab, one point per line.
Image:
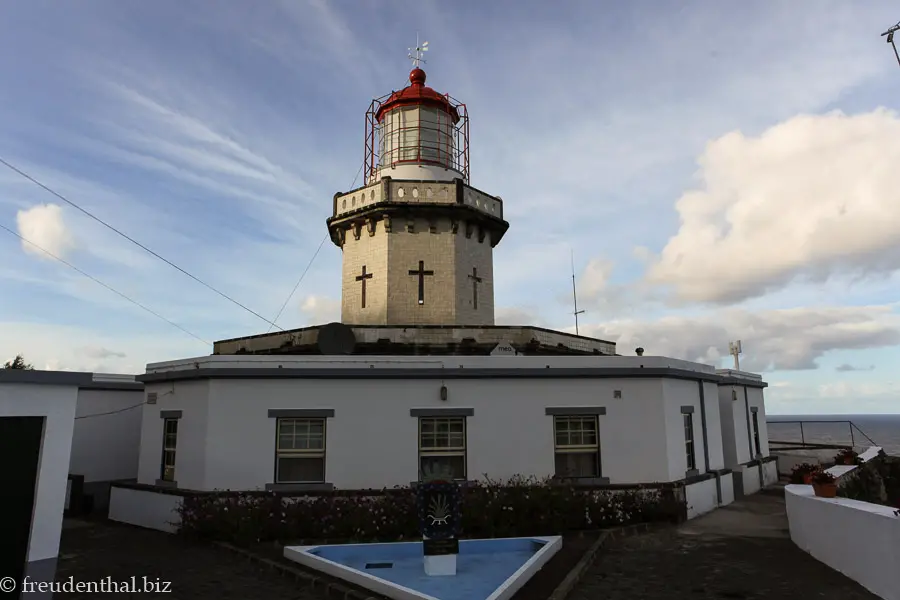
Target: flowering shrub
519	507
798	472
847	457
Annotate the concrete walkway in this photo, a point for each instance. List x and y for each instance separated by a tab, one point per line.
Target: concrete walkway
742	551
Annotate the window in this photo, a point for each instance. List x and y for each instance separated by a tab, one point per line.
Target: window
442	445
170	438
300	451
577	446
689	441
756	433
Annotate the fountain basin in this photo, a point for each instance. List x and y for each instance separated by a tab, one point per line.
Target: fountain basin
491	569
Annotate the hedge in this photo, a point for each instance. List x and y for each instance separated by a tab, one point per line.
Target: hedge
518	507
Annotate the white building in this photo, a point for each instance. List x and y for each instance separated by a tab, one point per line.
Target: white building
417	279
37	411
745	437
40	429
314	423
106	440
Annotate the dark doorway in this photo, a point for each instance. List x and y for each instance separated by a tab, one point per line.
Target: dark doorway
20	444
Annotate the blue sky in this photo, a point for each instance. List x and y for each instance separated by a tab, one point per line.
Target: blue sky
724	171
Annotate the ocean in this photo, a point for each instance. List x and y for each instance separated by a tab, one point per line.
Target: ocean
883	430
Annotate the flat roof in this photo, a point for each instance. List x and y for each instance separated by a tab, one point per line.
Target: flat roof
431	367
79	379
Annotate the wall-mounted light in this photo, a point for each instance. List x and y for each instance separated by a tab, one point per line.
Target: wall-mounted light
444	393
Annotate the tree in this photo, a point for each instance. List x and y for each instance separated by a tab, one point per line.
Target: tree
18	363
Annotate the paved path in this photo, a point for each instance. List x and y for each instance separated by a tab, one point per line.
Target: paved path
742	551
93	551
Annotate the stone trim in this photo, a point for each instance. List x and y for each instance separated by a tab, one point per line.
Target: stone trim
687	410
165	484
691	473
442	412
426	373
726	380
567	411
170	414
309	413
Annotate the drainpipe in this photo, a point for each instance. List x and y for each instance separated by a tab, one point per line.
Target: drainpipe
706	441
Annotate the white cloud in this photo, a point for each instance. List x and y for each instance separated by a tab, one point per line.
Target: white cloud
70	348
45	227
808	199
320	310
512	315
788	339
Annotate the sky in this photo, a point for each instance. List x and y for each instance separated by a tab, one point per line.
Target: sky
719	172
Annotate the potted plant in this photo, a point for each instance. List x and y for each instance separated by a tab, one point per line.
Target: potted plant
846	457
803	473
824	484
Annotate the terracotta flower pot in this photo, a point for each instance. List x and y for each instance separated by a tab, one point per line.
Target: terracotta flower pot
825	490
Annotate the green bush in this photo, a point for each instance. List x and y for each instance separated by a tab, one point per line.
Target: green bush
519	507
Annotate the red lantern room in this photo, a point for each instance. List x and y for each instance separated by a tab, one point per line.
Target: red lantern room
417	133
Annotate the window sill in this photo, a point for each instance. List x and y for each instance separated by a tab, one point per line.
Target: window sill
164	483
300	487
692	473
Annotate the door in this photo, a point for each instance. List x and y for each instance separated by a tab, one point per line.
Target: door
20	443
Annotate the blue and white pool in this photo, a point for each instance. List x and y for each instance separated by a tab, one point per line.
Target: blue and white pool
492	569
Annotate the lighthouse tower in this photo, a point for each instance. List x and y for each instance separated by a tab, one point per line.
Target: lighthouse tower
417	238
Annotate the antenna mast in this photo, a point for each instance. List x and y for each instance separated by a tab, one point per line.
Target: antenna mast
890	39
576	312
734	349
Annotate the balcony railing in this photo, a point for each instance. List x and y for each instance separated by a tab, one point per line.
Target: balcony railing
809	435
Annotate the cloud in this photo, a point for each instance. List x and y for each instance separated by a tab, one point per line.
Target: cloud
512	315
43	225
101	353
844	368
786	339
320	309
809	199
55	346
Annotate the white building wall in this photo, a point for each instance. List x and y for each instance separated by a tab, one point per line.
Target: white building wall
372	440
728	417
57	405
192	399
714	426
680	393
105	447
757	400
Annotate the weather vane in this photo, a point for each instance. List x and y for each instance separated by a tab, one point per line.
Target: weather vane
415	54
890	39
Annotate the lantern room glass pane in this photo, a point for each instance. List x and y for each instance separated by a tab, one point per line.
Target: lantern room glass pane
417	134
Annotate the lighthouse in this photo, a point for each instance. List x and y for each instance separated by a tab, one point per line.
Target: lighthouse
417	238
417	242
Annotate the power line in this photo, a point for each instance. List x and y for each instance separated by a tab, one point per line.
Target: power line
296	285
112	412
130	239
94	279
309	264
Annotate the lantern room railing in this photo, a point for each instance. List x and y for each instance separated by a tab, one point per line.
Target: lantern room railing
441	143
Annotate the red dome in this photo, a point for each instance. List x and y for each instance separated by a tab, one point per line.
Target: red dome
416	93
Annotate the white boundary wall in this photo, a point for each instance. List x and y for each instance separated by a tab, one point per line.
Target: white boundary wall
859	539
